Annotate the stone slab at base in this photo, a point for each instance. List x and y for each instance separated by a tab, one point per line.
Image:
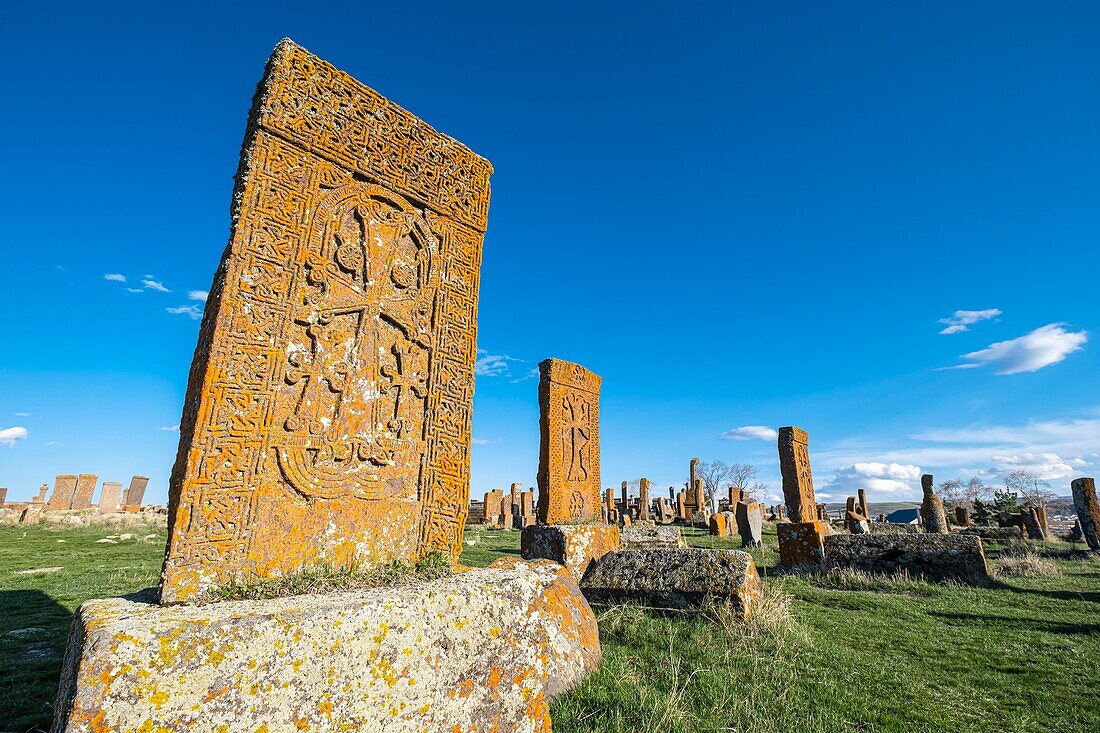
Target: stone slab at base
642	537
801	543
573	545
933	556
485	649
674	578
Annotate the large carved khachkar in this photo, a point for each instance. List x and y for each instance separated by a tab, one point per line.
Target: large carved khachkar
569	449
328	411
798	482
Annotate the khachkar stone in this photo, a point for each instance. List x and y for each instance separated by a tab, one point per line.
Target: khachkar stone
569	446
493	500
935	520
327	418
109	497
750	523
693	472
798	482
85	488
962	518
643	499
41	497
136	493
64	487
864	507
1088	510
3	495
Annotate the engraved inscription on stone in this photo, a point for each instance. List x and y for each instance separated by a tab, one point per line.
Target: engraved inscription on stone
569	450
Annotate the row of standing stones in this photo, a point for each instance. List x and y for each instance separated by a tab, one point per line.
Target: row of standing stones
327	424
72	492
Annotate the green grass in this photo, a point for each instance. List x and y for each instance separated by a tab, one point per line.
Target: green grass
832	652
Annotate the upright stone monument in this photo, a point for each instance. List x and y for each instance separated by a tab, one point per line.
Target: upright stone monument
962	517
3	495
801	541
750	523
935	519
643	499
135	494
1088	510
41	496
626	498
573	528
85	489
327	422
864	507
64	487
109	497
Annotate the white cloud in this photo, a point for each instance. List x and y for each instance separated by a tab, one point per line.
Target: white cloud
961	321
8	436
875	477
115	276
22	414
197	295
531	374
751	432
1042	347
151	284
135	290
170	428
479	441
492	365
187	310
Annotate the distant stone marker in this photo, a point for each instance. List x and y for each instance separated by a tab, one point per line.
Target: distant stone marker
64	487
750	523
3	495
41	497
327	419
643	499
569	453
85	489
935	519
109	497
1088	510
135	494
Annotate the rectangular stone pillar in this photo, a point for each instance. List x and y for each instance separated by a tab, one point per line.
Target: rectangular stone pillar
569	443
864	507
85	489
3	495
135	494
643	498
798	482
1088	510
64	487
109	497
41	496
801	543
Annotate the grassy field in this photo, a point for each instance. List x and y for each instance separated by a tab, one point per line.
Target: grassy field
831	652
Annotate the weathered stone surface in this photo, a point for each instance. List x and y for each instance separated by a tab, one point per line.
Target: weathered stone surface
493	501
64	486
935	520
85	489
643	499
722	524
3	495
673	578
997	534
327	418
135	493
109	497
1088	510
32	512
750	523
962	517
957	556
573	545
798	482
665	515
648	536
485	650
41	496
1032	525
569	443
801	543
864	507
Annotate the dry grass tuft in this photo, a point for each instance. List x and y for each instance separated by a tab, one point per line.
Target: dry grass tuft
1025	564
769	614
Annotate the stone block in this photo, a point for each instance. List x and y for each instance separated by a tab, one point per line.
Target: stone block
642	537
933	556
673	578
569	443
750	523
486	649
801	543
573	545
85	488
722	524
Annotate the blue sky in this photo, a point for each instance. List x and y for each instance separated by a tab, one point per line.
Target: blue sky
740	215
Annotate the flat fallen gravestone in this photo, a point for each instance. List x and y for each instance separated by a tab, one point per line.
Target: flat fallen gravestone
327	418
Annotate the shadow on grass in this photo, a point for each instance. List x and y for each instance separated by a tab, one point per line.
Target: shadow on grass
33	632
1039	624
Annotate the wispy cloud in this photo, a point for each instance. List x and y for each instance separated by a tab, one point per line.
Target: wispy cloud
22	414
170	428
874	477
115	276
492	365
197	295
8	436
1042	347
961	321
751	432
479	441
151	284
530	374
186	310
135	290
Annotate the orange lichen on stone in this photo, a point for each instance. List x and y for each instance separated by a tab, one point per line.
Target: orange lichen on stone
801	543
569	446
573	546
798	482
327	419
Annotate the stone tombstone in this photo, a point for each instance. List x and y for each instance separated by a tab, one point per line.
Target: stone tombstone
515	500
864	507
672	493
693	472
527	508
626	498
962	517
109	497
135	494
41	497
750	523
643	498
681	506
1088	510
798	483
327	418
64	487
569	443
492	507
85	489
665	514
3	495
935	520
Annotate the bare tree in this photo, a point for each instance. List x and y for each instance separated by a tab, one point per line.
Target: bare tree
718	474
976	490
952	491
1030	487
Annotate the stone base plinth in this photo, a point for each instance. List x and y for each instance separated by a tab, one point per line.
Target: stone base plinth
485	649
643	537
674	578
801	543
932	556
573	545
